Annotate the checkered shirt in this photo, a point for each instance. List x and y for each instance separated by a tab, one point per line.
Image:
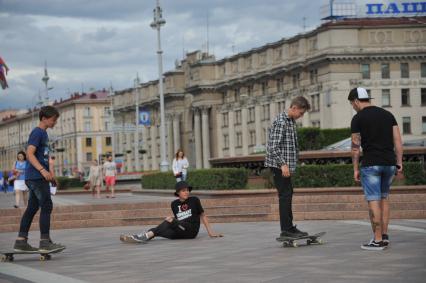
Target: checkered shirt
282	143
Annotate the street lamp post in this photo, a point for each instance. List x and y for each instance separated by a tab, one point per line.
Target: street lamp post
156	24
45	80
111	117
137	82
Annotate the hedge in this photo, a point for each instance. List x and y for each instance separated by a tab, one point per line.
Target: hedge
203	179
341	175
65	183
316	138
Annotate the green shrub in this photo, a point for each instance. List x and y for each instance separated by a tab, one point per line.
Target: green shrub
414	173
65	183
316	138
203	179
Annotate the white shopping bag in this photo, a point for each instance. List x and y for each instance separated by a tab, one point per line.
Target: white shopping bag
53	190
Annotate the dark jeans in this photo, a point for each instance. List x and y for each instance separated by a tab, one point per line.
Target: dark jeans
39	198
174	230
285	196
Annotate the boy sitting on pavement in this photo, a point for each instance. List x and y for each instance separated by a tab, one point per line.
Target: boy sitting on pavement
185	224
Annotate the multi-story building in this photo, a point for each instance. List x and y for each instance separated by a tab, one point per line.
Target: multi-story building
223	108
81	134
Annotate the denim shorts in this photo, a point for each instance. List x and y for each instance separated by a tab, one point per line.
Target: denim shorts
376	181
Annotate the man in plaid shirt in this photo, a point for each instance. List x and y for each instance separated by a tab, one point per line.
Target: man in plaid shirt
281	156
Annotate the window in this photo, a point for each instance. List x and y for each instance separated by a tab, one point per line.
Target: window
406	125
386	98
281	106
385	71
237	93
405	97
225	142
315	102
87	126
225	119
296	78
264	88
316	124
423	70
365	71
108	141
107	111
107	125
88	142
423	96
252	138
280	84
405	71
238	117
313	75
266	112
87	112
251	115
239	139
89	156
250	90
423	125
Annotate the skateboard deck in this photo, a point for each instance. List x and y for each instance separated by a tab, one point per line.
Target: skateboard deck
8	256
314	239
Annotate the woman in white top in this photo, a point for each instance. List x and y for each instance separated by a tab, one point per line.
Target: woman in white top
180	166
95	178
20	188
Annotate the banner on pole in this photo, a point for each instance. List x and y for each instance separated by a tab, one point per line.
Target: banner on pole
144	117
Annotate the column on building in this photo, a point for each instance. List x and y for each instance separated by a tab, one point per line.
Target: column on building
79	160
176	132
231	133
219	134
258	126
154	161
98	148
197	134
272	111
206	136
145	164
170	148
244	126
129	147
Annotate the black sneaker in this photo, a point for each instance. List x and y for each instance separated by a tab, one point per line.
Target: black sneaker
136	238
385	239
297	231
48	246
22	246
292	233
374	246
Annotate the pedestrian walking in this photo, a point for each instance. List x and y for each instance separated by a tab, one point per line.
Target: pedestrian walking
37	178
376	131
110	173
20	188
281	156
180	166
95	178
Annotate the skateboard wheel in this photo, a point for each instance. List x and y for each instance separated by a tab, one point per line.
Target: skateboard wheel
3	258
294	244
43	258
320	241
308	242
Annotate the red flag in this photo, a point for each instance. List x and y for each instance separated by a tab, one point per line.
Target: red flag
3	72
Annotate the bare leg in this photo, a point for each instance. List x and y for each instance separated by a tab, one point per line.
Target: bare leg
376	219
17	197
385	214
98	191
112	191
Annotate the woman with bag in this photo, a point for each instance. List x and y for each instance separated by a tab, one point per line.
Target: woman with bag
18	177
95	179
180	166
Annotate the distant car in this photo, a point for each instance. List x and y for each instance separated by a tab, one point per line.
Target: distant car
345	144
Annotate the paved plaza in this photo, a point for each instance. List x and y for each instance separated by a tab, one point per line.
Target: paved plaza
247	253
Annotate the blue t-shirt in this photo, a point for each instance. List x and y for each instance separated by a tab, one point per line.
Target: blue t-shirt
21	167
39	139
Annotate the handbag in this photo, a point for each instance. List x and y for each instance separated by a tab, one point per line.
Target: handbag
179	175
86	186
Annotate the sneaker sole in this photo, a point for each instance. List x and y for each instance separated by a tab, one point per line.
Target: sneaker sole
57	250
25	251
373	248
129	239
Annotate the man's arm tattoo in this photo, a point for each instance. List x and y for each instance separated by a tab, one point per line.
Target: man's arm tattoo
356	145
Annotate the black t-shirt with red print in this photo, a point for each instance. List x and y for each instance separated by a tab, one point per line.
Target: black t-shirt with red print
188	212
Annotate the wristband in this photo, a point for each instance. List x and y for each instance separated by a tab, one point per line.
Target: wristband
41	170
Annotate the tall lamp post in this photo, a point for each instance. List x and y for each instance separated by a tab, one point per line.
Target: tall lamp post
136	140
45	80
156	24
112	122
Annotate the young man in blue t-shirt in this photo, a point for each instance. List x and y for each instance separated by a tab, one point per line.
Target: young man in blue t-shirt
37	178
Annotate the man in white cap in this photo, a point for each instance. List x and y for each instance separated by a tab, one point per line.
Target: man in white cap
377	132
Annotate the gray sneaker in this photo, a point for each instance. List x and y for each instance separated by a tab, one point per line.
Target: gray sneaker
22	246
48	246
138	239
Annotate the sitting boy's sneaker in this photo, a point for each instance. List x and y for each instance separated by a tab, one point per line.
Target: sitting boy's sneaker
138	239
22	246
47	246
374	246
385	239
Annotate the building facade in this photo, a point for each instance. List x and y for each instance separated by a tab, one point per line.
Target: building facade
81	134
223	108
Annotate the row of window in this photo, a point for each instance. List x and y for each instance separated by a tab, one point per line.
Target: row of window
385	70
406	125
108	142
87	112
239	139
405	97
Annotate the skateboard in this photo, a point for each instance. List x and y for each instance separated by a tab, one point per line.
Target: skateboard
8	255
127	239
314	239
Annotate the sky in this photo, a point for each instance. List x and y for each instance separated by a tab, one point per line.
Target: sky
90	44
